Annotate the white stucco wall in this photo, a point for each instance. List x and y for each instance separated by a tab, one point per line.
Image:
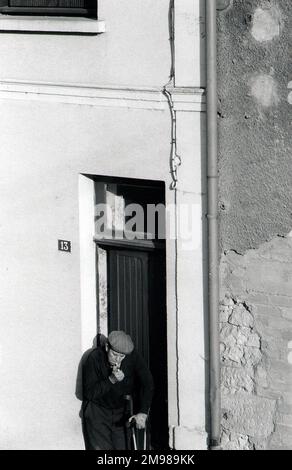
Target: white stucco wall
134	50
44	148
46	142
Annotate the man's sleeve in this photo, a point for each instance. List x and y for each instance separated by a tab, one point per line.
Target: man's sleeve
145	383
94	384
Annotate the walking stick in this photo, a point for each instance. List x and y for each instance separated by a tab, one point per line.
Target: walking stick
134	435
131	424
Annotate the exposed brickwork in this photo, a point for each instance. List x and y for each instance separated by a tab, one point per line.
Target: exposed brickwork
255	174
256	335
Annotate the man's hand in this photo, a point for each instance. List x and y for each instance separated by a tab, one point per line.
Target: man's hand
117	375
140	419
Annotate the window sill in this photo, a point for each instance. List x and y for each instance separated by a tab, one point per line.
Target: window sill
45	24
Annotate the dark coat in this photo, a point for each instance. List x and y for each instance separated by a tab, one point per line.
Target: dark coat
98	389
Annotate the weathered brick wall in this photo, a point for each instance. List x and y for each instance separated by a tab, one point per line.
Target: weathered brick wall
256	346
254	65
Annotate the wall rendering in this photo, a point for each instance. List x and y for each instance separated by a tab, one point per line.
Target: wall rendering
254	68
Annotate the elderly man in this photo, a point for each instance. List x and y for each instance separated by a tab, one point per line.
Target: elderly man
110	374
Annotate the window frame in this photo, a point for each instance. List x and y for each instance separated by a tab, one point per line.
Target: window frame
53	11
40	23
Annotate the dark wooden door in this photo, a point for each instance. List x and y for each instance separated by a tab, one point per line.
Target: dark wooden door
128	296
137	305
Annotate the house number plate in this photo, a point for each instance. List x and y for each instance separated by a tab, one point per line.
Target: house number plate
64	245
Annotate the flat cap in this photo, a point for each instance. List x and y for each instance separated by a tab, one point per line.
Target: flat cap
120	342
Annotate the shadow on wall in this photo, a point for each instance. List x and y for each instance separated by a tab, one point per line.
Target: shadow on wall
98	340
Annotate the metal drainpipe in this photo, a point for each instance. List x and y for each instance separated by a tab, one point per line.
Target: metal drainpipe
213	251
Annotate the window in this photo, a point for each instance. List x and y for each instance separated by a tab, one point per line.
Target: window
74	8
130	210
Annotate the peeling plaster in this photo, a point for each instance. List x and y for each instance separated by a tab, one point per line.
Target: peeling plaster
254	125
255	94
264	89
256	346
266	24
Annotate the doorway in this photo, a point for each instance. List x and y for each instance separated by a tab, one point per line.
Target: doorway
136	294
